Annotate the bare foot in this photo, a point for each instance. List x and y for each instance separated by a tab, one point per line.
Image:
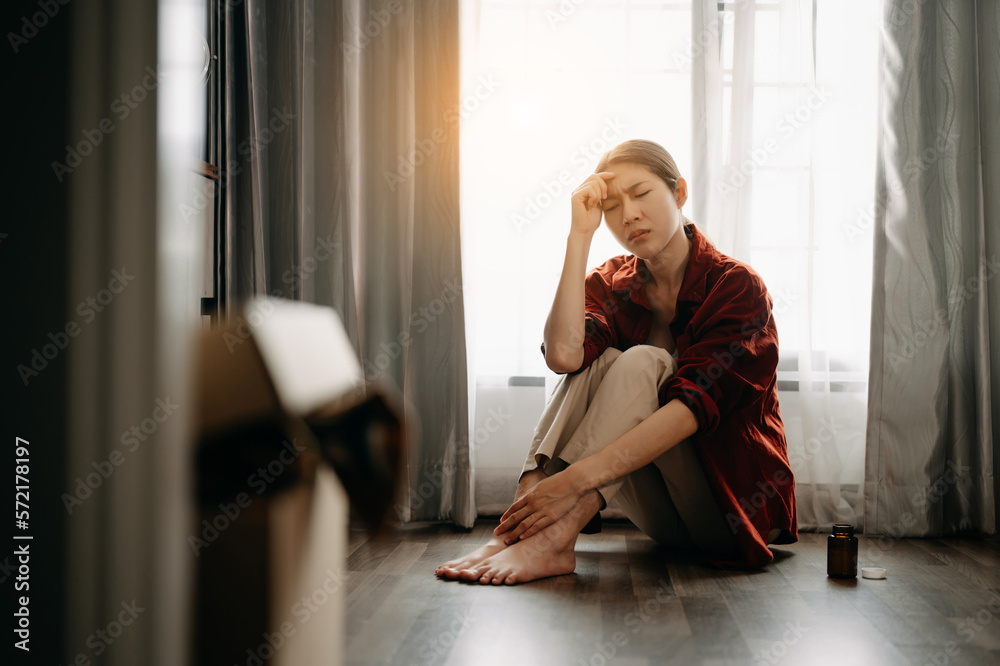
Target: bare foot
538	556
547	553
458	568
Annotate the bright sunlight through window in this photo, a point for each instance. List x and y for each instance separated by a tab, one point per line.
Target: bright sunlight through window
549	86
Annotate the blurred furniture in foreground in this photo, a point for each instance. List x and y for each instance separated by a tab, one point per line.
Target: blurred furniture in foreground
289	441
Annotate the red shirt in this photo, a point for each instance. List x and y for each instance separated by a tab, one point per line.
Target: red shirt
727	357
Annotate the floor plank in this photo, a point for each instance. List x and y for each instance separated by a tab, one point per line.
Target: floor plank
632	603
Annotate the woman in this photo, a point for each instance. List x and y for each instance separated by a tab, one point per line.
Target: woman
670	401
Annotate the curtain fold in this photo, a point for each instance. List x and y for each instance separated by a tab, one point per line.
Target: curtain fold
412	328
733	225
930	464
707	156
341	178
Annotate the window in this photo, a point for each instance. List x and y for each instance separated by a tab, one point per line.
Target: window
568	80
571	81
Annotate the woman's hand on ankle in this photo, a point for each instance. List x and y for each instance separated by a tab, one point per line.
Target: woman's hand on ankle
550	500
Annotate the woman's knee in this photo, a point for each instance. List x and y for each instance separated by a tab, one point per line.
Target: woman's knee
603	362
643	359
610	355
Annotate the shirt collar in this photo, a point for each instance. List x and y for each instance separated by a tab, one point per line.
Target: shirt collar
631	278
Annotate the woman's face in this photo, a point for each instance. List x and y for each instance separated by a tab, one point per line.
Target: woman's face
641	211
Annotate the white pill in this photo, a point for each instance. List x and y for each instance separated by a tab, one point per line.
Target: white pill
872	572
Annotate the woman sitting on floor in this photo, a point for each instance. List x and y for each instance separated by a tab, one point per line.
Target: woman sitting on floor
670	398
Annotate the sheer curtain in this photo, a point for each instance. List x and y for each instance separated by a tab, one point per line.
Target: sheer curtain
932	450
341	188
547	88
790	191
768	108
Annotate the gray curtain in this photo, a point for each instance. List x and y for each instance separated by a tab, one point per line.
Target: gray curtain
288	209
933	400
342	189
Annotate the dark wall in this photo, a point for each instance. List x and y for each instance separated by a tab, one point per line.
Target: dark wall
33	275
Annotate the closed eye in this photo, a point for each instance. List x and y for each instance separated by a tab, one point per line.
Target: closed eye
613	206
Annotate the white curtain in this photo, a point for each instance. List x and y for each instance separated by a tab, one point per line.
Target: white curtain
789	188
769	109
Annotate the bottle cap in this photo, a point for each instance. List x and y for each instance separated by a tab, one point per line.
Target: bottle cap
843	529
872	572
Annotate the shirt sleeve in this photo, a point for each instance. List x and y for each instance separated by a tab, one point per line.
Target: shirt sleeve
732	357
599	329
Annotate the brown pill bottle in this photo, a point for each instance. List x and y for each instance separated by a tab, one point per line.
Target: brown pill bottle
842	552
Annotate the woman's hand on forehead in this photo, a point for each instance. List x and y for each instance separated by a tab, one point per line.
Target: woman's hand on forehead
587	202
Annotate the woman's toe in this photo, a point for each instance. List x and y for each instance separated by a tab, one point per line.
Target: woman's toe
472	573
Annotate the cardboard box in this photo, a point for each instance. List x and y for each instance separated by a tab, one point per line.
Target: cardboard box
284	424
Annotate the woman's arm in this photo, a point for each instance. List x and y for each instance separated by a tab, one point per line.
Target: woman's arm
658	433
565	327
553	497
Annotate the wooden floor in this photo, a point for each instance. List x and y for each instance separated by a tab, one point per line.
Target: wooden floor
631	604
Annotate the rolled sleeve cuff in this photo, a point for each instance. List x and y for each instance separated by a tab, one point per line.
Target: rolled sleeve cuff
704	408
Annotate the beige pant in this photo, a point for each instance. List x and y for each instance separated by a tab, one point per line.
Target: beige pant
669	499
